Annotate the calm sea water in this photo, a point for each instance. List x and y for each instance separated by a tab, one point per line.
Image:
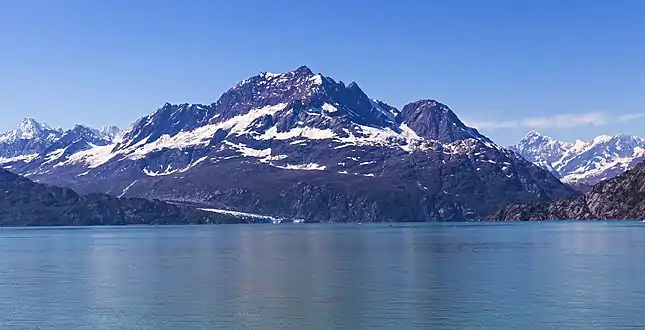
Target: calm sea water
576	275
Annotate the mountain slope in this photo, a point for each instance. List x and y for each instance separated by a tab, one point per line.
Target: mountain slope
300	144
619	198
25	203
583	163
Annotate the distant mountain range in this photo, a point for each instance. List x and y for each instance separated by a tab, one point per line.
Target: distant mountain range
32	138
297	144
583	163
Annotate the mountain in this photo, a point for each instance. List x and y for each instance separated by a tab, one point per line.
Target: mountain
111	133
37	142
583	163
300	144
26	203
619	198
29	138
77	139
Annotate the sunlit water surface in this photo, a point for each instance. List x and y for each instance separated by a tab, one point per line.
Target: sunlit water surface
575	275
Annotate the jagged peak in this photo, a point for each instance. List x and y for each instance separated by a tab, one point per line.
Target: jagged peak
300	71
81	130
303	69
265	74
110	129
265	78
29	120
532	134
81	126
270	88
172	107
29	128
29	123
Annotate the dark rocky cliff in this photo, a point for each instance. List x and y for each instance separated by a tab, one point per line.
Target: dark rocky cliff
620	198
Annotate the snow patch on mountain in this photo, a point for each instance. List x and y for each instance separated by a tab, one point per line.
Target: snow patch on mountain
298	132
247	151
54	155
21	158
91	158
316	79
329	108
202	135
126	189
169	169
408	132
304	167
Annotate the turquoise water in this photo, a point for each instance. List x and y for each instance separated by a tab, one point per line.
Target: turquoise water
576	275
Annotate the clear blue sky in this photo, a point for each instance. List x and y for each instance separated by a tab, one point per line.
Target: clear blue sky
568	68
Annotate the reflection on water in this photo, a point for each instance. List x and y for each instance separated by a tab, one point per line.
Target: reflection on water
439	276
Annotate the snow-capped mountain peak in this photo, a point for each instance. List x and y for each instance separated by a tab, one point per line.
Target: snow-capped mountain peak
111	133
310	100
299	103
29	129
268	89
29	138
532	135
586	162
